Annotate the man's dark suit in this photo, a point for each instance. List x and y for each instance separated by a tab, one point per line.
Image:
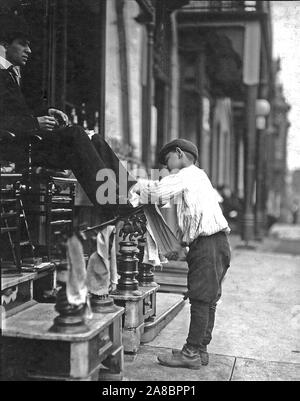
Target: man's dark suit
64	148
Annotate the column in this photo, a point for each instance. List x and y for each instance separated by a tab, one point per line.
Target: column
147	97
250	158
251	76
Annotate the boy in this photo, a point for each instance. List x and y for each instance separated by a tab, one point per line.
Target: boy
204	229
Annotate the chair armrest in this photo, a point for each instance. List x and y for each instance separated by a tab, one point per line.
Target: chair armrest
34	138
6	135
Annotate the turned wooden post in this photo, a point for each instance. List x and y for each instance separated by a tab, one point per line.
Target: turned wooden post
128	266
71	318
146	275
128	262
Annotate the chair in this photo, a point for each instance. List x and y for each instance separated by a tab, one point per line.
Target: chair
10	211
52	199
45	203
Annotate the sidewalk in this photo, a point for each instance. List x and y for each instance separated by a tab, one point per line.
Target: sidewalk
257	329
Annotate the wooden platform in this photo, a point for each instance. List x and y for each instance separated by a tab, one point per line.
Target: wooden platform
19	291
139	306
8	281
31	351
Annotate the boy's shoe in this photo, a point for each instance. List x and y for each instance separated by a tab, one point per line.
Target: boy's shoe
204	356
180	360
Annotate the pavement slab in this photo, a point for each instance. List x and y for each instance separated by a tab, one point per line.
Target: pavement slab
265	277
259	313
253	370
145	367
257	330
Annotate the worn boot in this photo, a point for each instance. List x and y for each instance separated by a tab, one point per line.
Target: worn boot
186	358
204	356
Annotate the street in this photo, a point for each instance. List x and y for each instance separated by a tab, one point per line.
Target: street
256	335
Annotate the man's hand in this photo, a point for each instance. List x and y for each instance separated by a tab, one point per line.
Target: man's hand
47	123
60	116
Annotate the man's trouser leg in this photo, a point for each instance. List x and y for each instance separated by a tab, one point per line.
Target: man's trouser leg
123	178
110	159
72	149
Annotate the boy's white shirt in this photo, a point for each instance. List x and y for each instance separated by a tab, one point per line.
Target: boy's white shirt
195	199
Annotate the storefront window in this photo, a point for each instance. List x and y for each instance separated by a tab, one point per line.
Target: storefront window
83	72
66	66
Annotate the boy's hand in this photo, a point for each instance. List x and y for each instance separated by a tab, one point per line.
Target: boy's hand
134	193
136	188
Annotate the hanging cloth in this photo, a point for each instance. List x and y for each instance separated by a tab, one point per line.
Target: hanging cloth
102	275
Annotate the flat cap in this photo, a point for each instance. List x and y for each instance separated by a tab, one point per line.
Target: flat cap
182	144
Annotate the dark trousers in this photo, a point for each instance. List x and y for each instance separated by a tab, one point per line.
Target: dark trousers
208	261
71	148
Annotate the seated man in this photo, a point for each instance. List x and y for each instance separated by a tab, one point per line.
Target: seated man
63	147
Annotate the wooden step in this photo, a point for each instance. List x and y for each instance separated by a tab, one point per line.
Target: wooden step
168	306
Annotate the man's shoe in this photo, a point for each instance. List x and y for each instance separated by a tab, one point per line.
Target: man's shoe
204	356
180	361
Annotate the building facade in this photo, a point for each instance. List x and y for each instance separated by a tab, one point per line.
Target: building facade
278	201
143	72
